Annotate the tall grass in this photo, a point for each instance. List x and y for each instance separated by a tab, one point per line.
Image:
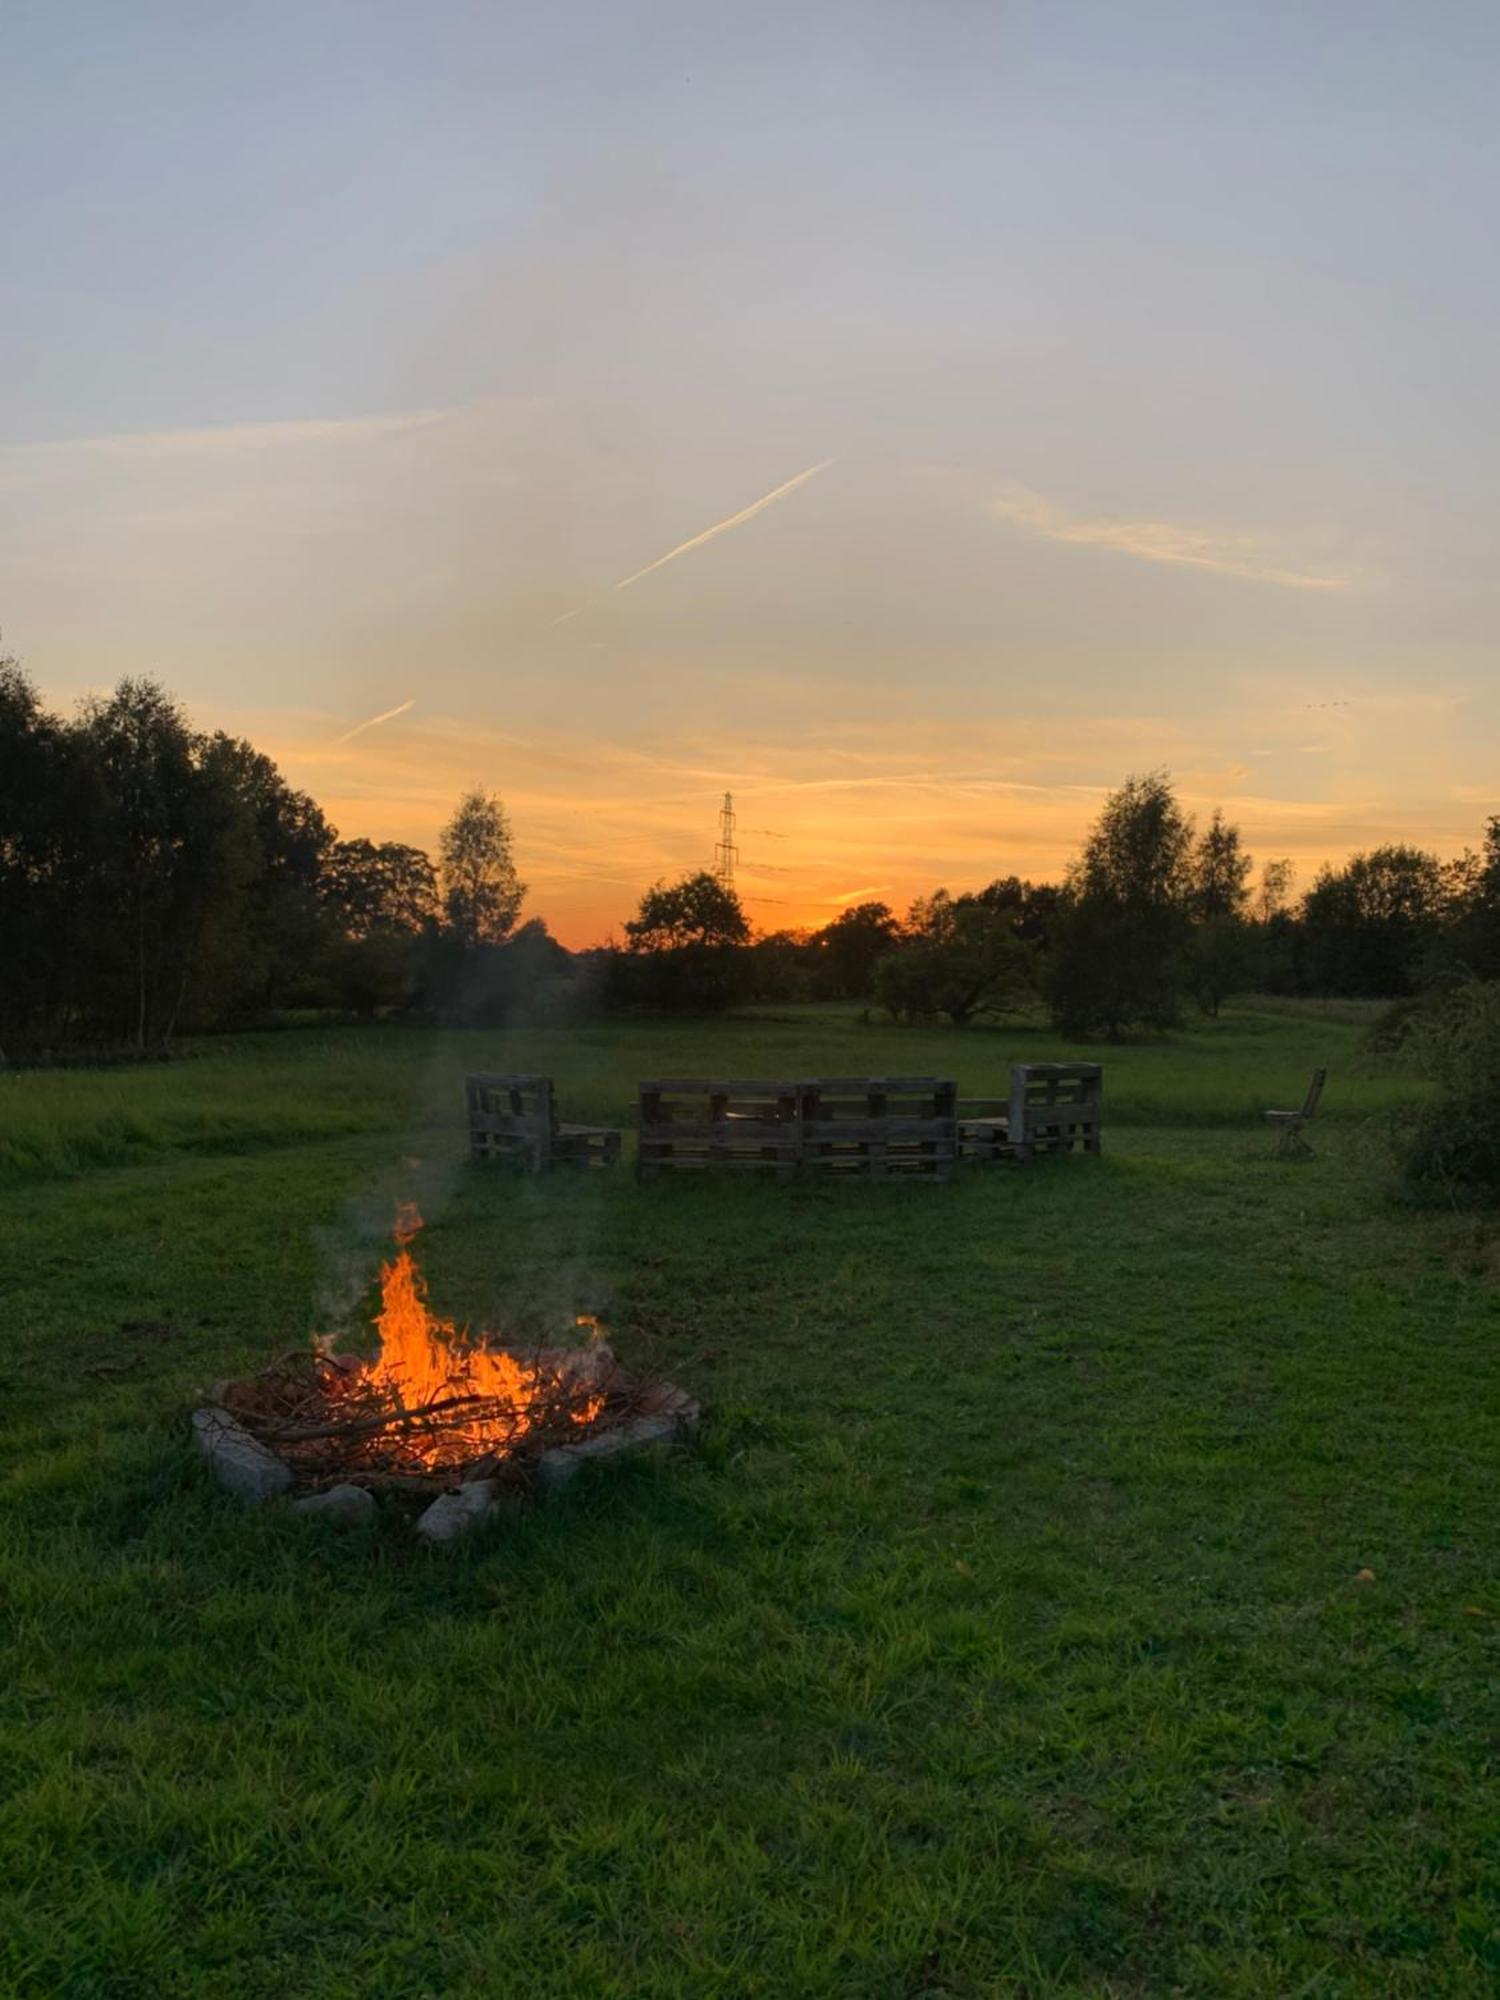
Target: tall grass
251	1092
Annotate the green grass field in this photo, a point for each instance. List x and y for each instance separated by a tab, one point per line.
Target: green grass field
1001	1636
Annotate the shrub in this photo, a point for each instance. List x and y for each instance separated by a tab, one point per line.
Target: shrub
1397	1030
1454	1151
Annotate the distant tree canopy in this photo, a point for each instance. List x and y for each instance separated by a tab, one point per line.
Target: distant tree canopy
1274	895
482	894
852	945
687	949
1370	924
1219	956
1030	908
1472	948
960	956
380	886
1218	872
698	910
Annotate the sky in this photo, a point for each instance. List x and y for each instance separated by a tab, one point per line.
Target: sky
1124	374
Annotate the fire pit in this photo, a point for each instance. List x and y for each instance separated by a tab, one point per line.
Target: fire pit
443	1422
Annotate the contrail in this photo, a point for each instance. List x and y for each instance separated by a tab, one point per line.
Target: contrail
387	716
723	527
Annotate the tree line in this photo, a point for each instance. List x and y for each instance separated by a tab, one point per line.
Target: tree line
1157	915
156	880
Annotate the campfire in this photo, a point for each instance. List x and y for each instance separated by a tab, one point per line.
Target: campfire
437	1415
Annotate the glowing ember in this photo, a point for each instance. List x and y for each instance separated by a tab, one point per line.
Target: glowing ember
477	1398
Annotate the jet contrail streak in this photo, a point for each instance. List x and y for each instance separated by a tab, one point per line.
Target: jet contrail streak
387	716
723	527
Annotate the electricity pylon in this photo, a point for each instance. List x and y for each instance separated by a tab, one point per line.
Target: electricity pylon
726	853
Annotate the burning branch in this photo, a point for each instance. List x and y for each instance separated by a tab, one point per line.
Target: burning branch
432	1406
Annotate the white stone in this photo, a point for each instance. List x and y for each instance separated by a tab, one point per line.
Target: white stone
453	1514
243	1466
344	1505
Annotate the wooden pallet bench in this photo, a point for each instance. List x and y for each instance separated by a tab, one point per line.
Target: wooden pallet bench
863	1127
723	1124
880	1127
1052	1108
1055	1107
514	1119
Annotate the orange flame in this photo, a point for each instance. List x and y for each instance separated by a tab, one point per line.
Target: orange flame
425	1361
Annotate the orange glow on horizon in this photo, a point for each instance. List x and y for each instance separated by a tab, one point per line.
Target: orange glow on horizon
886	813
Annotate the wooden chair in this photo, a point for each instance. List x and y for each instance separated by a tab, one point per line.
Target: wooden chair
514	1119
1289	1124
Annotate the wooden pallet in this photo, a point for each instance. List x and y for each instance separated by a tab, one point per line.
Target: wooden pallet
514	1119
984	1129
725	1124
1055	1107
586	1146
880	1127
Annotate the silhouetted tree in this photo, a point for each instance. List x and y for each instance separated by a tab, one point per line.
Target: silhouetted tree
1370	924
960	957
687	949
1471	948
382	899
1218	896
42	863
1219	872
379	886
788	965
265	921
1121	950
848	949
162	844
698	910
1273	897
482	894
1030	907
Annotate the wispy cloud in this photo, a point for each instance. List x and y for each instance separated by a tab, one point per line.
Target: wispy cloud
215	439
386	715
1159	542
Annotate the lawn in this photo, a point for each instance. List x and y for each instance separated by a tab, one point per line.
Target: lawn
1002	1635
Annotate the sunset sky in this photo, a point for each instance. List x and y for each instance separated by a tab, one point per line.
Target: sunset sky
359	358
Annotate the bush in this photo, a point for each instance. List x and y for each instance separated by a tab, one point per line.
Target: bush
687	979
1398	1029
1453	1154
529	980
